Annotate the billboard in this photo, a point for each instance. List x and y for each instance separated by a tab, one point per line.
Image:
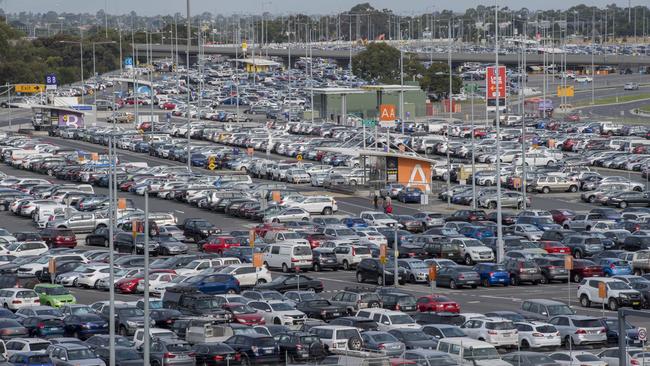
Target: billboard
71	120
414	173
491	80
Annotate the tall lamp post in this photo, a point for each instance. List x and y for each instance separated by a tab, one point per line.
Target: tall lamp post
81	63
94	66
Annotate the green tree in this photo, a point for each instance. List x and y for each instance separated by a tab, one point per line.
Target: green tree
379	62
435	81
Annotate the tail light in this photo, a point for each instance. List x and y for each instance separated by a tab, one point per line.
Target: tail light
37	301
237	357
603	330
218	358
461	277
16	302
397	307
491	274
492	332
192	354
354	251
381	346
298	347
551	268
581	331
41	325
612	266
538	334
294	260
169	355
634	362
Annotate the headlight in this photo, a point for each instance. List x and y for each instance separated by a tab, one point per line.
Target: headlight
624	296
131	323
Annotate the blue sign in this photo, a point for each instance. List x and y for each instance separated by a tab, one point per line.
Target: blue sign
128	61
50	79
82	107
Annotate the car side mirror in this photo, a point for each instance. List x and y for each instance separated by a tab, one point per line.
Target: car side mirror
268	310
544	313
64	359
387	322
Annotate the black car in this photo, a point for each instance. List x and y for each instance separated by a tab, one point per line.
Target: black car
98	237
324	259
431	317
127	319
164	318
300	346
456	277
399	302
191	302
124	242
414	338
321	309
634	243
290	282
467	216
124	356
523	271
215	354
255	349
371	269
507	218
27	236
355	321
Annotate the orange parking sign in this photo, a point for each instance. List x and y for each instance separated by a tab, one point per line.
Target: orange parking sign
258	260
433	273
387	112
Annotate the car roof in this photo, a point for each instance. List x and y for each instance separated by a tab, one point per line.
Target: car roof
546	302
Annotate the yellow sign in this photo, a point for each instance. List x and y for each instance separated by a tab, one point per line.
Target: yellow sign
602	290
299	157
134	228
382	254
29	88
244	46
258	260
276	196
565	91
568	262
251	238
121	204
433	273
212	163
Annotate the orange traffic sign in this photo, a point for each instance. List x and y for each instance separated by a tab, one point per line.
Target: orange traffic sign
387	112
568	262
433	273
602	290
258	260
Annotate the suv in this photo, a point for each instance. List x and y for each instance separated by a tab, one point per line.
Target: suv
523	271
583	245
349	256
546	184
473	251
373	269
496	331
338	337
357	298
618	293
189	301
580	329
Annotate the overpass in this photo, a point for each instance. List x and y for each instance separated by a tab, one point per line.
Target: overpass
342	56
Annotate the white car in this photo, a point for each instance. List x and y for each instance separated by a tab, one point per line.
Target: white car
572	358
160	288
536	334
496	331
21	345
316	204
378	218
584	79
473	251
15	298
156	279
196	266
338	337
288	214
279	312
93	274
21	249
297	176
388	319
247	275
369	235
618	293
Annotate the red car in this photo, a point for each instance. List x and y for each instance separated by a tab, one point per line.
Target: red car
129	285
437	303
561	216
315	239
217	244
244	314
262	229
585	268
168	106
59	238
555	247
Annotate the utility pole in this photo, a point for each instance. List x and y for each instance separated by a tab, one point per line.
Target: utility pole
187	71
500	249
450	117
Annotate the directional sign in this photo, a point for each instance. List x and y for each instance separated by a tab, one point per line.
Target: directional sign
643	334
369	122
299	157
212	164
51	82
29	88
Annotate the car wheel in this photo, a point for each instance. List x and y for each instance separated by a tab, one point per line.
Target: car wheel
544	280
317	267
573	189
327	211
612	304
577	254
492	205
380	280
567	342
524	344
359	278
354	343
123	332
623	204
592	199
412	279
485	282
96	285
546	190
584	301
346	265
231	291
577	278
514	281
285	269
468	260
452	285
374	305
106	243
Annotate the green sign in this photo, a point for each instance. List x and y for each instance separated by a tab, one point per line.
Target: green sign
369	122
470	88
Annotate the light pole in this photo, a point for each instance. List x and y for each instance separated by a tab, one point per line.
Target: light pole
187	71
81	63
94	66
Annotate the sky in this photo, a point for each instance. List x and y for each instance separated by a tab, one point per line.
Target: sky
164	7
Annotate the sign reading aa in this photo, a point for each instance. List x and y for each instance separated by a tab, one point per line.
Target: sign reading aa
493	82
387	115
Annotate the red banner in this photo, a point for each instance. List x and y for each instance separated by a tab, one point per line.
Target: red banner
491	80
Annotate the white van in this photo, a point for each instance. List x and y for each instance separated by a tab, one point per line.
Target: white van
389	319
468	351
288	256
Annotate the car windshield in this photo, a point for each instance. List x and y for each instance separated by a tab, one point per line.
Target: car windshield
56	291
290	235
207	303
415	336
418	264
281	307
25	294
380	216
617	285
302	250
401	319
242	309
500	325
40	359
559	310
480	353
452	332
472	243
346	333
587	323
130	312
127	355
384	337
81	310
178	347
345	232
52	312
441	360
80	354
587	358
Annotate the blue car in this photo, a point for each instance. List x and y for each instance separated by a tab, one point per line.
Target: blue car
44	326
615	267
85	326
199	160
410	195
215	283
492	274
30	359
476	232
354	222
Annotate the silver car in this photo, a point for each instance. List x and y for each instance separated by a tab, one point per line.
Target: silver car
580	329
416	270
69	354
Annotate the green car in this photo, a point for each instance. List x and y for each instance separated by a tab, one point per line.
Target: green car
54	295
